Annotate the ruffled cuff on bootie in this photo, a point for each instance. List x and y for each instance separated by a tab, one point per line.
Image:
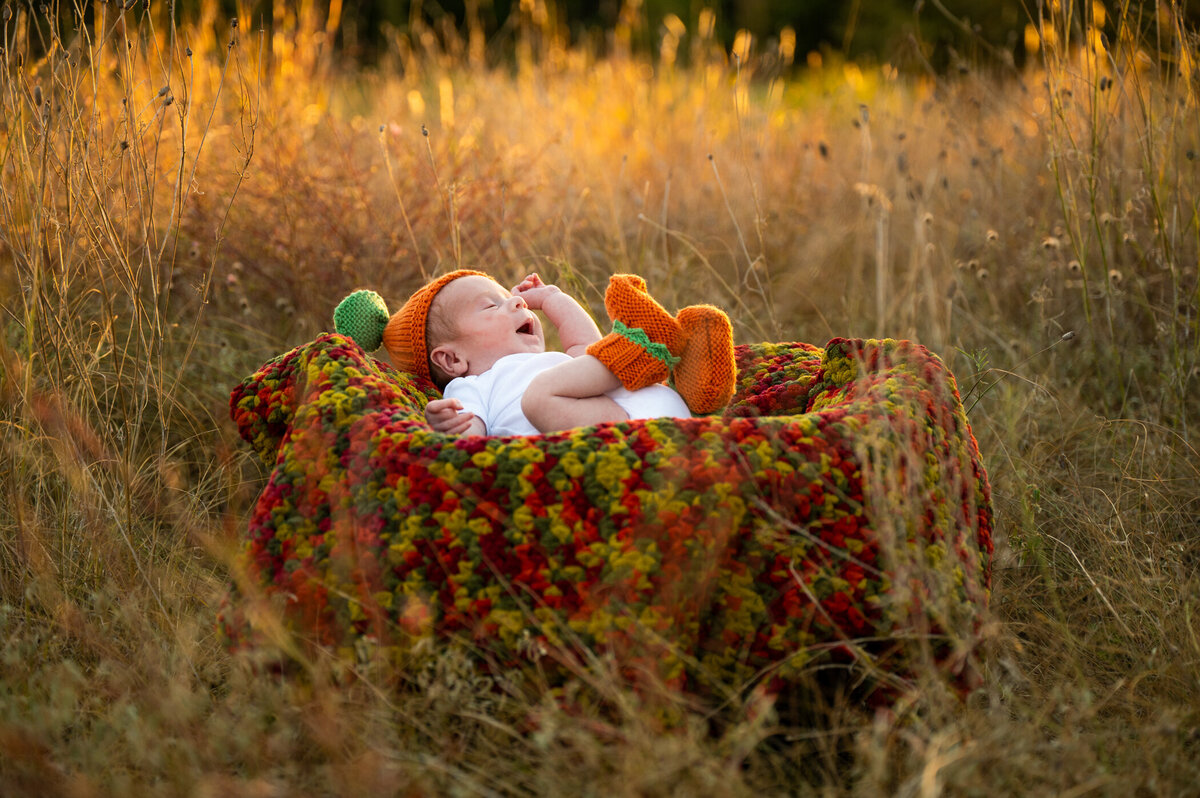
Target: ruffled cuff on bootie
629	354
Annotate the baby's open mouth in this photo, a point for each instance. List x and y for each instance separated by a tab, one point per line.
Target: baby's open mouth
526	328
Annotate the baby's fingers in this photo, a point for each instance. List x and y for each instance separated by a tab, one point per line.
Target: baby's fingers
442	410
453	424
460	423
532	280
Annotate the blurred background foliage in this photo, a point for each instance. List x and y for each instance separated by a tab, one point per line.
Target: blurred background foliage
912	35
180	203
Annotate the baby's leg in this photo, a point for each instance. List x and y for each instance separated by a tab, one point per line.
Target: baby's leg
571	394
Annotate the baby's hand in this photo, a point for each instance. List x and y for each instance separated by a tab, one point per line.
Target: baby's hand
534	291
443	416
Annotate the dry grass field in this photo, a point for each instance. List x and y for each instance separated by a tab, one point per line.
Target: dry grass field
180	203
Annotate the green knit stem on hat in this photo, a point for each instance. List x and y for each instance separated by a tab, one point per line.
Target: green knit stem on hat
362	316
637	335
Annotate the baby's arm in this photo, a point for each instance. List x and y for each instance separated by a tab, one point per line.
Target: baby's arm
572	394
443	416
576	329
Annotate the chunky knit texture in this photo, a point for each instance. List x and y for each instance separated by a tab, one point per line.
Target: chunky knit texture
706	371
628	299
630	355
701	340
837	513
362	316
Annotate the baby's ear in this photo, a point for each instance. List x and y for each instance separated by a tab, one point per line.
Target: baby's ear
447	358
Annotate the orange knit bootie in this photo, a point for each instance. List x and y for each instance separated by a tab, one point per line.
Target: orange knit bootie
707	372
648	343
645	340
628	300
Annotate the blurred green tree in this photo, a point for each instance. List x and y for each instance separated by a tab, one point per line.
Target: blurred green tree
943	34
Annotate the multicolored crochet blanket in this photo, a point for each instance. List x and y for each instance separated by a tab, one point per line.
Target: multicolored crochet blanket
837	511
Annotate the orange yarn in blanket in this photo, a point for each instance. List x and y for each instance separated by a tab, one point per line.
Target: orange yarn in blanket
836	518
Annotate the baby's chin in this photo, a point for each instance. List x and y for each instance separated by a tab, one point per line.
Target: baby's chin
531	344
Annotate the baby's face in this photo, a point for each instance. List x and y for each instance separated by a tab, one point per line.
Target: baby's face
491	322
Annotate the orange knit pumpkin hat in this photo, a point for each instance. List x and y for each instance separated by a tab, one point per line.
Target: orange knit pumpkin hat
404	334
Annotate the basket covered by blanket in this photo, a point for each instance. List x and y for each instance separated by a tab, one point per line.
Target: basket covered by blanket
837	511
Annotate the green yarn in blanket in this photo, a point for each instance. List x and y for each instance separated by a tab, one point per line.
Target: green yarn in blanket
837	511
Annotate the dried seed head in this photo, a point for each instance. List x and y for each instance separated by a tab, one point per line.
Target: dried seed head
1107	218
927	218
244	304
1074	268
1115	277
37	95
163	90
982	274
874	194
1067	336
823	148
973	264
992	236
1050	242
1130	239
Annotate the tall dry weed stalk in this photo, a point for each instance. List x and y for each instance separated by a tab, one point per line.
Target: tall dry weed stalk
181	201
110	463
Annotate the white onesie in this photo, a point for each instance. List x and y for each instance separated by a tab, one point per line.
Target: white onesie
495	395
